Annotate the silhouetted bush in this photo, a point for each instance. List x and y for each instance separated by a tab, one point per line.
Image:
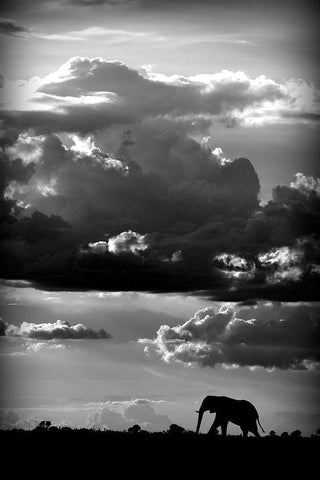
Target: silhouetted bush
175	429
134	429
43	425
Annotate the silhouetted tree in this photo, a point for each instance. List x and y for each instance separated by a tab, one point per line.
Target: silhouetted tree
175	429
43	425
272	433
296	434
284	435
134	429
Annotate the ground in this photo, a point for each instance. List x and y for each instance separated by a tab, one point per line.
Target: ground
156	454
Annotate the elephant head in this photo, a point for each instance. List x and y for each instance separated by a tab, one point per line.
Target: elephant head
207	404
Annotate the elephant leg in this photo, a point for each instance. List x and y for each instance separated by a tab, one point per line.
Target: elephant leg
245	431
224	426
216	424
213	430
255	432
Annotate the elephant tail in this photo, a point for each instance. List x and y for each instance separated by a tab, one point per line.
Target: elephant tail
260	425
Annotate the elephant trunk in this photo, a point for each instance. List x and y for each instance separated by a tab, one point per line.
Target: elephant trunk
200	412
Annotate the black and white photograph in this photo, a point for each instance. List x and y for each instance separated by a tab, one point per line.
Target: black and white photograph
159	235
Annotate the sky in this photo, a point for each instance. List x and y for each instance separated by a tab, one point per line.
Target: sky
159	211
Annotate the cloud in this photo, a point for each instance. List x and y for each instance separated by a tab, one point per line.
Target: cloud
207	235
232	262
9	419
127	403
12	171
128	242
145	415
11	28
210	338
132	411
60	329
40	346
277	265
153	206
306	184
87	94
105	418
97	33
285	263
125	242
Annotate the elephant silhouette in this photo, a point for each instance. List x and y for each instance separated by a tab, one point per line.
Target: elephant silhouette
239	412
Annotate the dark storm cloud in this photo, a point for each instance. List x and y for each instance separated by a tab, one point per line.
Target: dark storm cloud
210	338
102	194
60	329
128	190
187	220
11	170
11	28
163	211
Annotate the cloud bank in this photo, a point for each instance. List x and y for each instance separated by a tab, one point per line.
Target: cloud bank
60	329
210	338
78	218
87	94
135	411
150	203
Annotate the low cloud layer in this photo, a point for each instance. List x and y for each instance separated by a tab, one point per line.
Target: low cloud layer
220	337
135	411
61	330
87	94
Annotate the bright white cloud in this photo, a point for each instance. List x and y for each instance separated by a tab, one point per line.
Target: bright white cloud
97	247
57	330
97	33
125	242
232	261
114	92
121	415
210	338
306	184
128	242
40	346
283	256
285	263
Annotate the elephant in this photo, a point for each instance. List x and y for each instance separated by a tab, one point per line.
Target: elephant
239	412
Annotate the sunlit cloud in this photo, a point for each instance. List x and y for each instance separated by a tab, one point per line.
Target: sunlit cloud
212	338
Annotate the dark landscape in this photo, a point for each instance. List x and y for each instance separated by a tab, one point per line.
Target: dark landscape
184	450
